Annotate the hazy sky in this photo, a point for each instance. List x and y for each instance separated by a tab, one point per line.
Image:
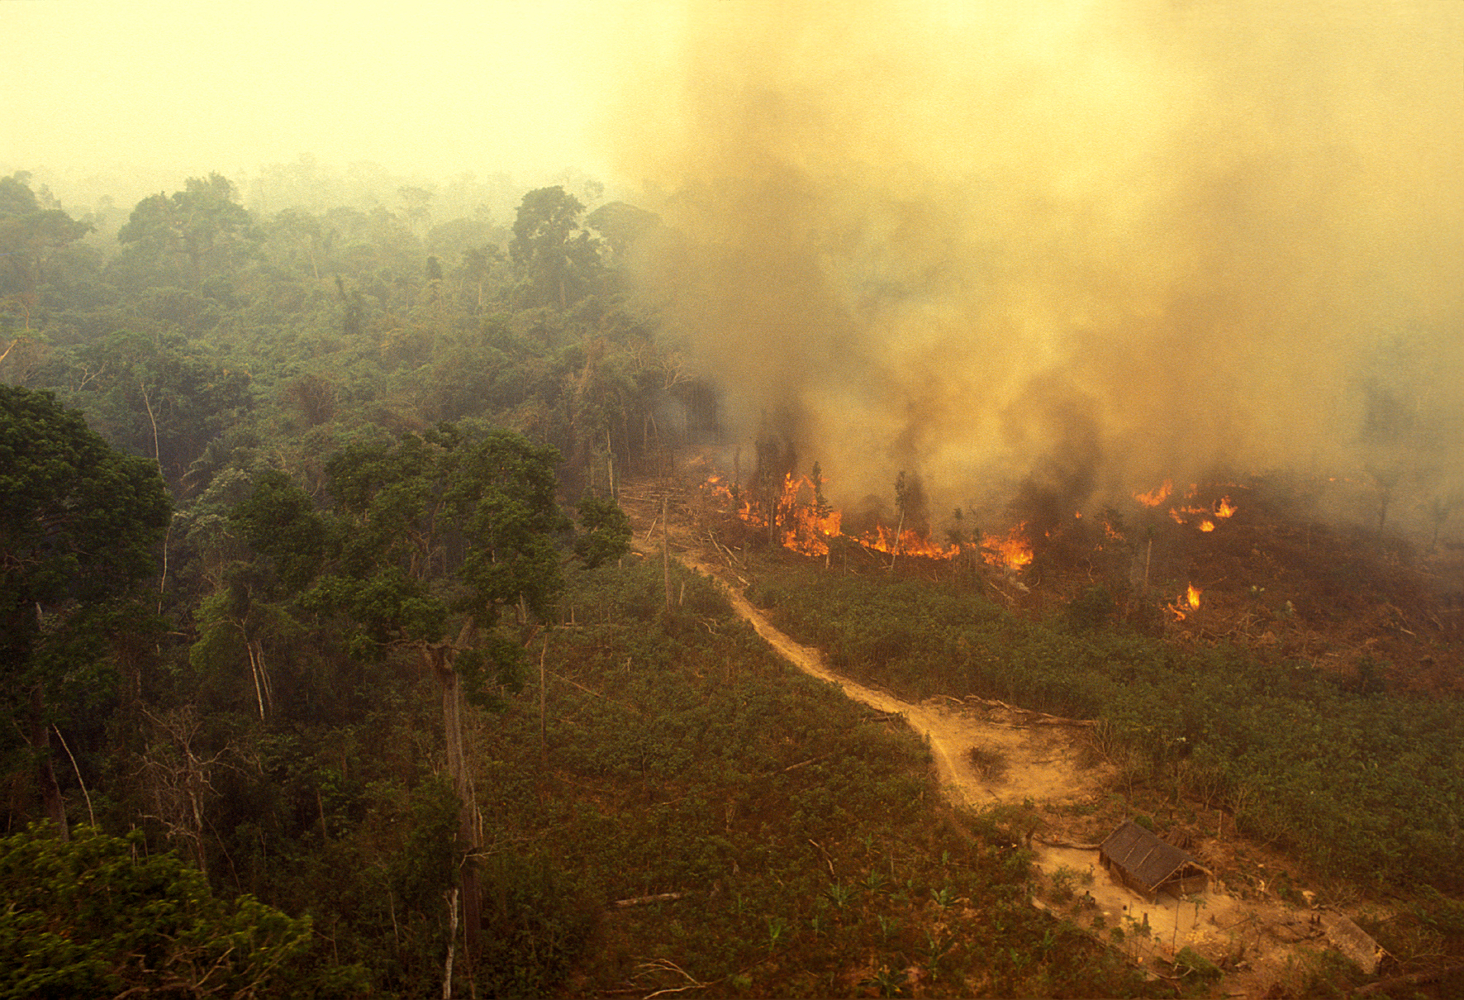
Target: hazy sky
436	88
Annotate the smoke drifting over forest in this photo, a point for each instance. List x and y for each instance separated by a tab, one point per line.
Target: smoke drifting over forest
1090	245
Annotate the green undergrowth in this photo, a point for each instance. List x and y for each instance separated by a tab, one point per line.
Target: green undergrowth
1367	787
696	814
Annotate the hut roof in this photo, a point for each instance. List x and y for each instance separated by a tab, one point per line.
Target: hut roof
1148	860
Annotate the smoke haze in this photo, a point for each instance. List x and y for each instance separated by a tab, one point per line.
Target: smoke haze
1087	245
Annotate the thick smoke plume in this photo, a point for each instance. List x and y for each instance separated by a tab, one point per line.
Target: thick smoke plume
1084	246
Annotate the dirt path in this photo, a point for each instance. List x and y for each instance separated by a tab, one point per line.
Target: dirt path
1048	767
1041	762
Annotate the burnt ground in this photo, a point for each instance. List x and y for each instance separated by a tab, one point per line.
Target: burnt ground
1372	607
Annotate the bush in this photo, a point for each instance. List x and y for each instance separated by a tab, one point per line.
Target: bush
990	762
1092	608
93	916
536	921
1191	964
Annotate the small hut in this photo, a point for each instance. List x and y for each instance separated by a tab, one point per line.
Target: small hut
1148	865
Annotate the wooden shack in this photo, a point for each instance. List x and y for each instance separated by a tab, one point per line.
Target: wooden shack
1148	865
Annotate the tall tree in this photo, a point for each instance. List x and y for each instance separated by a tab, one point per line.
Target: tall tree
79	528
260	558
622	225
31	235
558	260
447	531
203	225
96	917
159	396
418	201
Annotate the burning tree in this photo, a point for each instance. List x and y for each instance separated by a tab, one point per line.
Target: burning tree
776	461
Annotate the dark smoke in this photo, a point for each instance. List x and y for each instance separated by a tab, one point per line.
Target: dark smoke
1070	249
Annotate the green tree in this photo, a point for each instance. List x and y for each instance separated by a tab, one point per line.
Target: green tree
477	269
295	242
96	917
31	236
606	534
558	260
418	201
159	396
446	531
202	225
600	393
622	225
261	557
79	528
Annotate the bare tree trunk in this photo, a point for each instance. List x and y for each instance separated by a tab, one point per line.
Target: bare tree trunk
163	580
440	659
40	741
609	463
180	781
452	925
543	735
91	816
263	694
157	456
666	553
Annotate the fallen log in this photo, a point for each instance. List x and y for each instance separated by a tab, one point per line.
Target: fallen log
1063	843
660	897
1032	716
1413	979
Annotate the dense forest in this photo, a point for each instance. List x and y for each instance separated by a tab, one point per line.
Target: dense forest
316	492
331	669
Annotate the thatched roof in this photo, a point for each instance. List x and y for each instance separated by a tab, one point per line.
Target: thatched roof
1147	861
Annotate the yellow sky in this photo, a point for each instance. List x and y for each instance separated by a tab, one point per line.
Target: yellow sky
429	88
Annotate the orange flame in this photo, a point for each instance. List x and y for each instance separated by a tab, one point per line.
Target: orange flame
910	543
1013	552
1182	515
803	530
1189	599
1155	497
